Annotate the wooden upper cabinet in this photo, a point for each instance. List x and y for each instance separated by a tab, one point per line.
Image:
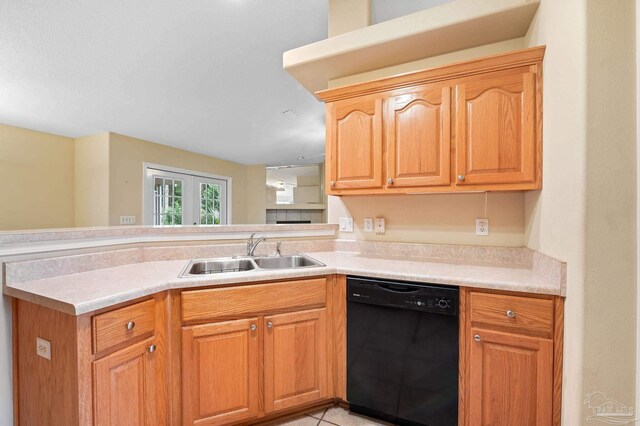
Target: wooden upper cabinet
295	359
418	137
125	387
510	379
354	144
468	126
496	128
220	371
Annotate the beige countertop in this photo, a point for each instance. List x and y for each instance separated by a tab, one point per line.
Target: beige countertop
84	292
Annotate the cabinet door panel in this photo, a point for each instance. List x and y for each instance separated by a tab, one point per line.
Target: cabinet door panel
295	359
124	387
496	128
418	137
510	380
354	140
220	373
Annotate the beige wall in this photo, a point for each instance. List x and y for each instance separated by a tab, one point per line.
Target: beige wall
610	269
92	180
59	182
434	61
555	216
36	177
586	213
437	218
127	156
348	15
256	194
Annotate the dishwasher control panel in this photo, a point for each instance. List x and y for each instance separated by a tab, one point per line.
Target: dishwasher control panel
416	296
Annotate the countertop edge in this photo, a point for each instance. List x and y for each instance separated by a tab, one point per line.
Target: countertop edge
262	276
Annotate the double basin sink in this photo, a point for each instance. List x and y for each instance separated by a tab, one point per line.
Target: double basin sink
240	264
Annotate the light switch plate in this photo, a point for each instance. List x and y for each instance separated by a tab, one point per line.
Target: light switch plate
43	348
380	226
482	226
127	220
346	224
368	224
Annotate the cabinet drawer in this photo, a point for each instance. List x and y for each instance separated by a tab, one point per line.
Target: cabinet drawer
229	302
120	325
519	313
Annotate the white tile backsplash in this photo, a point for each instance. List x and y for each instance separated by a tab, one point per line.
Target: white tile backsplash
275	215
293	215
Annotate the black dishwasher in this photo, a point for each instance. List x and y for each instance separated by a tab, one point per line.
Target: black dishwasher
402	351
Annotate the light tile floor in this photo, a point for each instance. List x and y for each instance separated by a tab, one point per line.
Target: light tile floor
335	416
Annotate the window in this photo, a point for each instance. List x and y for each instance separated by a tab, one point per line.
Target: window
174	197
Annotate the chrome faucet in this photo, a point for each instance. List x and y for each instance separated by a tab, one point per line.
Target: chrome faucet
251	245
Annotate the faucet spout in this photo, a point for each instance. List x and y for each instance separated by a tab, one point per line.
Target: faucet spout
251	244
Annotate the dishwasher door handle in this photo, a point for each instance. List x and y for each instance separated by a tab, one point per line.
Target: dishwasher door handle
398	288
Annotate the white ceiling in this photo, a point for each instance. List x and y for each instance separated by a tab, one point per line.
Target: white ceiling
202	75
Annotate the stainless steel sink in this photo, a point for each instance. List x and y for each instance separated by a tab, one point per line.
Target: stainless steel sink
217	266
241	264
287	262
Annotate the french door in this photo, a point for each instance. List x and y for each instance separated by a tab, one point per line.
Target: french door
172	199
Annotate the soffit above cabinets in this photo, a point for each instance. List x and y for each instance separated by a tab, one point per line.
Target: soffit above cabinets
450	27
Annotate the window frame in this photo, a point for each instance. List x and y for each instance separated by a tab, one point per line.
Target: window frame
152	170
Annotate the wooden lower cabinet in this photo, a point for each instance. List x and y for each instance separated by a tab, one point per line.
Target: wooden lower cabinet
107	368
511	379
263	349
124	387
295	359
510	359
220	372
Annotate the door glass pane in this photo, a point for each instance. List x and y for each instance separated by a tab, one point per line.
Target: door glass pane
209	204
167	205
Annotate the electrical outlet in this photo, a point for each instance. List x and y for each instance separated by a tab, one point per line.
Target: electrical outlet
368	224
482	226
127	220
346	224
43	348
380	225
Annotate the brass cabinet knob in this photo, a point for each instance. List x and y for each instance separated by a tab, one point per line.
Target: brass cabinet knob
130	325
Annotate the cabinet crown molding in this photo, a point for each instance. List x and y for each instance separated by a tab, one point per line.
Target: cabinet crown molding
482	65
